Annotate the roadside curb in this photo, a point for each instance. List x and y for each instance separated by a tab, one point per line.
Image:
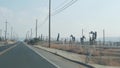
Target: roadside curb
68	58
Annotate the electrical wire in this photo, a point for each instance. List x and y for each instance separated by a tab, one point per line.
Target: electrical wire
64	2
57	11
44	21
64	7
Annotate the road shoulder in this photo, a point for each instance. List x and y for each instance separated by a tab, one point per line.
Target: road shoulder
60	62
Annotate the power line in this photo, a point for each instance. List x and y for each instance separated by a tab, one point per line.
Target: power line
64	7
49	16
59	10
64	2
44	21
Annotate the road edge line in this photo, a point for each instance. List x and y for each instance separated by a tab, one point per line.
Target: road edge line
8	49
42	56
84	64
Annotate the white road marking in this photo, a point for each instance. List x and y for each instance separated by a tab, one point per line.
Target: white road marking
8	49
42	56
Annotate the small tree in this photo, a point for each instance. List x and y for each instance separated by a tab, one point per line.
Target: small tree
93	37
82	39
73	38
58	36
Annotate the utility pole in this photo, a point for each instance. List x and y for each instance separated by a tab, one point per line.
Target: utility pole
102	46
36	27
103	37
49	23
31	34
6	30
11	32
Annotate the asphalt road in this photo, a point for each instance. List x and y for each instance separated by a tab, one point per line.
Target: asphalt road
23	57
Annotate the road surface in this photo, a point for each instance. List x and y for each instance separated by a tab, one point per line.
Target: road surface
23	57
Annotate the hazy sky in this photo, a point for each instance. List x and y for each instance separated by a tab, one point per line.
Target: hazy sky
90	15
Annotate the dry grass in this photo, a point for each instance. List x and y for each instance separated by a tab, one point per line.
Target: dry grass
110	57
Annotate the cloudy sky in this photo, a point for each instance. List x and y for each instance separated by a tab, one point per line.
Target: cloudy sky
90	15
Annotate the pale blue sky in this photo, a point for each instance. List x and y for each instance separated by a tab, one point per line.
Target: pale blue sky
94	15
